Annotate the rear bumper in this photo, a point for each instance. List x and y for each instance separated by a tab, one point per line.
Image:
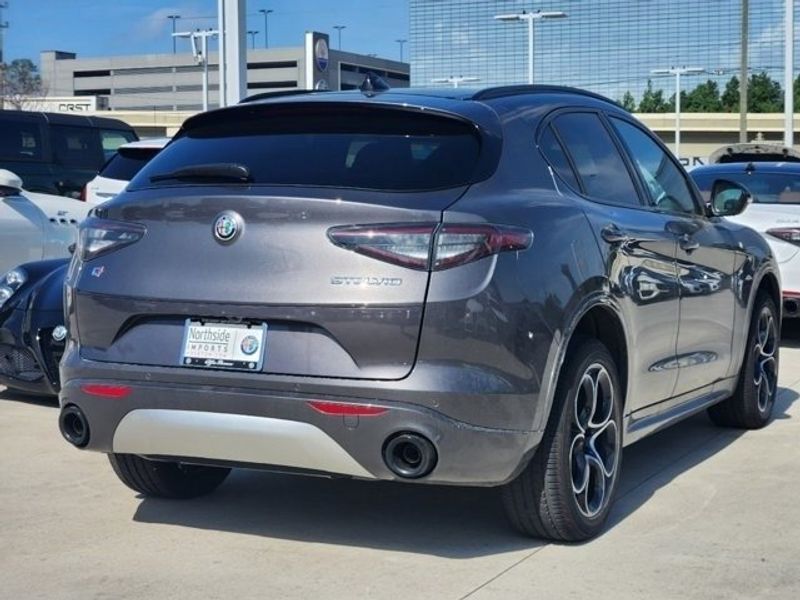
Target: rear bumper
216	425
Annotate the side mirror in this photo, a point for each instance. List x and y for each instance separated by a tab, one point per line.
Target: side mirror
728	198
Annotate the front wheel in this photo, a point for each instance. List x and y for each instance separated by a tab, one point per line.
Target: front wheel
566	491
164	479
751	405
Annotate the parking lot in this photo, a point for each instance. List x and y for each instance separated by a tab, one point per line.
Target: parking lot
703	513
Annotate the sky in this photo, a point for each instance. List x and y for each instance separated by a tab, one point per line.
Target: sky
115	27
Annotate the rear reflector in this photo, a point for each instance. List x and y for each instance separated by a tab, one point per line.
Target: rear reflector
346	409
422	247
106	391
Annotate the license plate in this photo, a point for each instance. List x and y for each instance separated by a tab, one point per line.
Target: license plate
223	346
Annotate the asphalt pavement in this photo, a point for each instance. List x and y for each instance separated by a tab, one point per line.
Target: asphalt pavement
702	513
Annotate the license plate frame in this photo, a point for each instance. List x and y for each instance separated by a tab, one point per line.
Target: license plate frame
223	346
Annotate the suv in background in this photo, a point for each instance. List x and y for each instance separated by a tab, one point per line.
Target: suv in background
57	153
121	168
774	212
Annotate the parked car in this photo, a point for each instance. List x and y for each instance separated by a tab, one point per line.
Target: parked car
419	286
34	226
32	332
754	152
57	153
121	168
774	212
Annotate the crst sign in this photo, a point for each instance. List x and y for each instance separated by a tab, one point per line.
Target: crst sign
689	162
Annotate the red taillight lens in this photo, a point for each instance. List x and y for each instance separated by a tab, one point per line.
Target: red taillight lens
787	234
461	244
345	409
106	391
404	245
412	245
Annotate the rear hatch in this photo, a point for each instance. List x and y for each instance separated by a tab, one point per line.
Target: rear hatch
292	180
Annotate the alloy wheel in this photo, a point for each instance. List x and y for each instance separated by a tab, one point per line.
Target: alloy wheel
594	450
765	344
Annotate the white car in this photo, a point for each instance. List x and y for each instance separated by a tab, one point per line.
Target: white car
34	226
774	212
121	168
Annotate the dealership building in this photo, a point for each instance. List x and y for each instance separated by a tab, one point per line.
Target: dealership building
173	82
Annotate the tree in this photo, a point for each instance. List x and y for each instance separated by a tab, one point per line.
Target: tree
703	98
628	102
730	97
20	81
652	100
764	94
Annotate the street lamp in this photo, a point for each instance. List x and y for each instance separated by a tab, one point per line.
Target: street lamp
531	18
677	72
199	41
173	18
402	43
455	81
252	33
339	29
266	12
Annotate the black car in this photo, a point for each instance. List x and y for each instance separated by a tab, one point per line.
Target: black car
58	153
498	287
32	332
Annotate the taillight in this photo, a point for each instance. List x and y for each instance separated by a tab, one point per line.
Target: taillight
101	236
429	246
346	409
102	390
787	234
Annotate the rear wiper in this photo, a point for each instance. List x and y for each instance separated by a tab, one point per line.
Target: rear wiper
213	171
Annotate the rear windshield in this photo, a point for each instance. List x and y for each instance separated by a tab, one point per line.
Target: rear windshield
127	162
767	188
376	149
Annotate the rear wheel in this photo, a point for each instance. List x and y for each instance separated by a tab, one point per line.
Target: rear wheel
565	492
751	405
166	479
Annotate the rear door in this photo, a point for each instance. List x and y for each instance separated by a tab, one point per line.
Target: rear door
333	233
706	256
639	252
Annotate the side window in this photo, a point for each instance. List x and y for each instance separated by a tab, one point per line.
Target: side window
76	146
600	166
20	140
665	181
113	139
554	153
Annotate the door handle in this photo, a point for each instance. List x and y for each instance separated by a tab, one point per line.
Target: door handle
687	243
613	234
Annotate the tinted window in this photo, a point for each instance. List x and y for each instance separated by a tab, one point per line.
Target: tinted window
126	163
554	153
600	166
767	188
76	146
20	139
665	181
381	150
111	139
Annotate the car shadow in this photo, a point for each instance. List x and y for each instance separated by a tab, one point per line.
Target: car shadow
437	520
790	333
7	395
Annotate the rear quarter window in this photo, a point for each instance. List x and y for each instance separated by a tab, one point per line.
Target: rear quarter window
384	150
20	140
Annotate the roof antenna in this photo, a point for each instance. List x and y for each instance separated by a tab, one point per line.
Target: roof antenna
373	84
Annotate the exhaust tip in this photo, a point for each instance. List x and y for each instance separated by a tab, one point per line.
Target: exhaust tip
790	306
409	455
74	426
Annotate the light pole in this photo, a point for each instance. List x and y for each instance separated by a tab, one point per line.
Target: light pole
531	18
788	75
252	33
677	72
200	51
266	12
173	18
339	29
402	43
455	81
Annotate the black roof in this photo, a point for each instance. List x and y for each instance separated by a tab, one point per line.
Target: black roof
745	167
67	119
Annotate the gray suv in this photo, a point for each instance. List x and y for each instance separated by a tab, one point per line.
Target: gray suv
489	288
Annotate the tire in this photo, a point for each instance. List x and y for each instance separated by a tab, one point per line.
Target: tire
566	491
166	479
752	403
